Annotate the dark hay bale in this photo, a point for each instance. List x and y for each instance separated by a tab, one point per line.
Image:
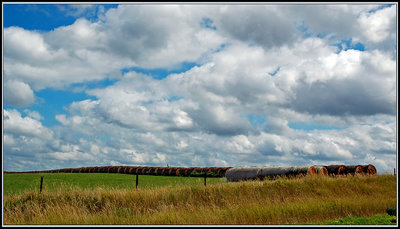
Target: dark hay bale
353	170
369	169
305	171
336	169
241	174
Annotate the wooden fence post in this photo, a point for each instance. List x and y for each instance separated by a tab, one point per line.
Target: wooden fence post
41	183
137	180
205	179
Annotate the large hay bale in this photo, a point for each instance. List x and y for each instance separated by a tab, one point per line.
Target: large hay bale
305	171
336	169
280	171
198	171
353	170
321	170
223	170
369	169
172	171
242	173
76	170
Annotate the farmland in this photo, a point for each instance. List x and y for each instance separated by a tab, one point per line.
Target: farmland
53	182
113	199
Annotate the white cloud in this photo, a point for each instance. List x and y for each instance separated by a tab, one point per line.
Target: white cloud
379	25
33	114
17	93
24	126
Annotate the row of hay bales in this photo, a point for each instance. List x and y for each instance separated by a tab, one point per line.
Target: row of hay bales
231	173
145	170
254	173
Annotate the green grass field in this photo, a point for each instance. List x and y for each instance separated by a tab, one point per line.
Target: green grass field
19	183
90	199
378	219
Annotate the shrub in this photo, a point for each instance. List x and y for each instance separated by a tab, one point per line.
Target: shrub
391	211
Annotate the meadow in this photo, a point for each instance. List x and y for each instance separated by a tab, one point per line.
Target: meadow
19	183
84	199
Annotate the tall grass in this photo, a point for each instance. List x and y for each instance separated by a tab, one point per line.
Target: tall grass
282	201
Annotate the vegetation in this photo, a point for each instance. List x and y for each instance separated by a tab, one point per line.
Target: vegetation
378	219
18	183
282	201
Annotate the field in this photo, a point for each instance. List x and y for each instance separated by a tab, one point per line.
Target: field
113	199
52	182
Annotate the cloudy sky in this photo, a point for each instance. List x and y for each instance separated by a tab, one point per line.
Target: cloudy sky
199	85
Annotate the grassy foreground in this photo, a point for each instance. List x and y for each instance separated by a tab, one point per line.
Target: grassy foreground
294	201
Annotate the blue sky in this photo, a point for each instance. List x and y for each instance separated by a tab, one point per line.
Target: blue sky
108	84
45	17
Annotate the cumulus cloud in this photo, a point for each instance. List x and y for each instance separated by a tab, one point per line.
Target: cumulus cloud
17	93
17	125
379	25
257	25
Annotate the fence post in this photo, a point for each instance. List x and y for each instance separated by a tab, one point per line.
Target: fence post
137	180
41	183
394	171
205	178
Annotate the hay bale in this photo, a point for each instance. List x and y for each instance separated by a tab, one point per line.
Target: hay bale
369	169
242	173
336	169
279	171
353	170
321	170
198	171
223	170
76	170
305	171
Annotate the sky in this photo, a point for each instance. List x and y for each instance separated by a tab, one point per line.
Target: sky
199	85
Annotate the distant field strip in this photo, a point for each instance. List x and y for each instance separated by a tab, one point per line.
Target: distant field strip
18	183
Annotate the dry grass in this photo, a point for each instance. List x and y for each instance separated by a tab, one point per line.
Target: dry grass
282	201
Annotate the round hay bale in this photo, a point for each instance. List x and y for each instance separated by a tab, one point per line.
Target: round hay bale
213	172
103	169
76	170
119	169
153	171
223	170
139	170
160	171
163	171
112	169
321	170
353	170
172	171
181	172
144	170
131	170
369	169
199	171
242	173
305	171
277	171
336	169
186	172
